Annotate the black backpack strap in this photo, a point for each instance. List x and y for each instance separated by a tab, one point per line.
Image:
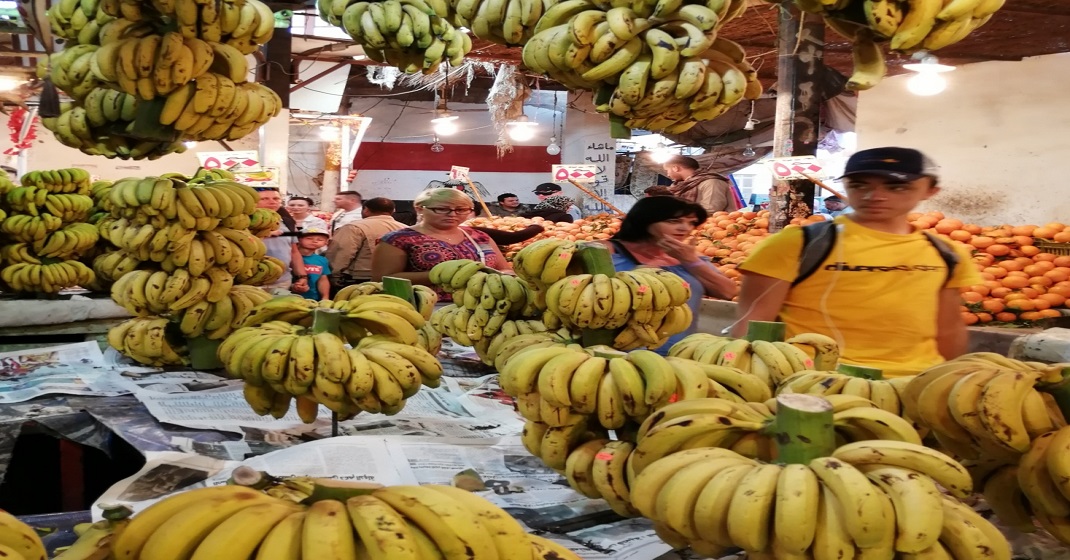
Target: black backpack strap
818	241
950	257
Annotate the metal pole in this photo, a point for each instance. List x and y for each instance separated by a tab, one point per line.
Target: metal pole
800	52
346	159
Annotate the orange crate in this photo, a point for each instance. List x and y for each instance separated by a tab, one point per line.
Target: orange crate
1053	247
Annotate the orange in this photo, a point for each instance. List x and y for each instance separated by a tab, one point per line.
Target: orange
970	318
1050	313
1030	316
1015	282
972	228
980	288
1040	281
947	225
1058	274
984	317
1054	299
1057	226
1015	296
960	235
1001	293
1045	265
1029	250
1032	292
1045	232
982	241
1021	305
1040	304
998	249
1034	270
1010	265
1023	230
972	297
993	305
984	259
1045	257
1061	237
996	271
1006	317
1061	260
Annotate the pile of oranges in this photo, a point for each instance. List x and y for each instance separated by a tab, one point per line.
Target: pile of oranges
1022	281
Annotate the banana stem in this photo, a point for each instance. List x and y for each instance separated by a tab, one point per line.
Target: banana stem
802	428
873	374
202	353
1060	392
249	477
115	512
147	122
400	287
769	331
340	490
326	320
609	353
597	260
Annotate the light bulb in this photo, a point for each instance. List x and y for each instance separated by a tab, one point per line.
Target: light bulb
926	83
521	130
8	83
661	154
445	125
749	151
553	149
190	144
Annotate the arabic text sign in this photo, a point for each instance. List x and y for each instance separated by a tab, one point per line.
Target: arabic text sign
579	172
458	173
791	168
244	160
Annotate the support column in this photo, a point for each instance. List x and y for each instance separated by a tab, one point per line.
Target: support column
800	47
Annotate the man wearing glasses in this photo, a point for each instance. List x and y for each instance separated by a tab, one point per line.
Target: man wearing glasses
350	249
438	236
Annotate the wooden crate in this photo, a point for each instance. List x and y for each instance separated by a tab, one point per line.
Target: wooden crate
1053	247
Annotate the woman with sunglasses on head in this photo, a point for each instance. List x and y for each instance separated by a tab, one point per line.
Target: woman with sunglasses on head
654	234
437	237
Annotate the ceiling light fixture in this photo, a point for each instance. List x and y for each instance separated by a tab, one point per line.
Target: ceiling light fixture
437	146
521	129
552	148
751	121
928	80
748	151
445	124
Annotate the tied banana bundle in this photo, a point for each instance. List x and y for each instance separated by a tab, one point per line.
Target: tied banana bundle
424	297
44	218
281	360
338	521
906	27
860	382
150	341
147	76
412	35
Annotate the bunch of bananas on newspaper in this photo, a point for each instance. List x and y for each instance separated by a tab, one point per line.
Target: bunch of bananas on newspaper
153	341
774	362
424	297
147	76
413	35
339	521
904	27
46	234
280	359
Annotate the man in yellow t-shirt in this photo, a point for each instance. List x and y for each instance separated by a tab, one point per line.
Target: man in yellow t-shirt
884	291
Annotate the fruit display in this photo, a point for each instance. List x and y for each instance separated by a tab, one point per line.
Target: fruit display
146	77
904	28
362	316
414	36
340	521
44	234
424	298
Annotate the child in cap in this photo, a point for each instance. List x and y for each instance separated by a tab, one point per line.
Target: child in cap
316	266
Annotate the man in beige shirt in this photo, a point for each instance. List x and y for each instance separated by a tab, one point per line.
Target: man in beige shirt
706	188
351	246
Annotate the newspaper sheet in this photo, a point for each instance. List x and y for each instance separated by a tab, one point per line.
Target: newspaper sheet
72	369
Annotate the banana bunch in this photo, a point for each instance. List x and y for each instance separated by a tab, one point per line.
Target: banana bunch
72	129
174	199
29	229
146	292
673	90
77	21
93	538
216	320
215	107
154	65
266	271
69	70
555	384
109	266
984	405
506	22
18	540
425	297
742	427
242	24
362	316
476	287
35	201
926	25
149	341
396	522
868	499
1036	487
279	361
773	362
58	181
413	35
488	347
883	392
545	262
48	278
177	247
70	241
262	222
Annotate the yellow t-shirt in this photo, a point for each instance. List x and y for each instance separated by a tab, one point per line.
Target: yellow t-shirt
877	293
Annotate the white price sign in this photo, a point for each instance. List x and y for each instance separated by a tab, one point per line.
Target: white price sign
458	173
244	160
579	172
791	168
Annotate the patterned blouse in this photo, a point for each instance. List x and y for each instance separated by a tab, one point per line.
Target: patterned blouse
423	252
